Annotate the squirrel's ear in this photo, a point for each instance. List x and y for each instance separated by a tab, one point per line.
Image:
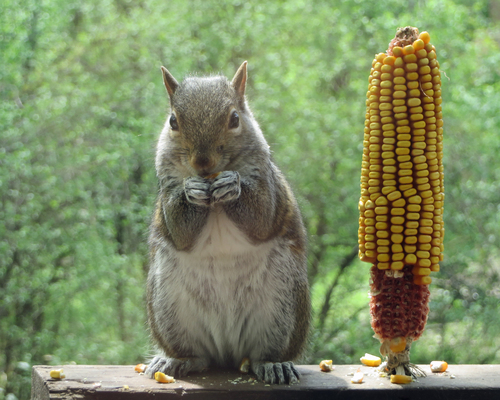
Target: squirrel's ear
240	79
169	81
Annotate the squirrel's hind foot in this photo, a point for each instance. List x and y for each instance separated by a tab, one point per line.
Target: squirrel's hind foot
175	367
280	373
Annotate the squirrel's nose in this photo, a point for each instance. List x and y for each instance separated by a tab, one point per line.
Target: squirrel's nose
202	164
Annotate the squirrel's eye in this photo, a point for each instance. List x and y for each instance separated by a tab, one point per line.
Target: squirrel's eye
234	121
173	123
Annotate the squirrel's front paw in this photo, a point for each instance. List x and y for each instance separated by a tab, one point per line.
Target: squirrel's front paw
226	187
197	190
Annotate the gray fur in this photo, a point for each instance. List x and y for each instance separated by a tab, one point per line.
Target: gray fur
227	277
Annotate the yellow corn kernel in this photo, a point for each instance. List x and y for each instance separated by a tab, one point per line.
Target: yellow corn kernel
439	366
397	345
425	37
162	378
410	258
326	365
57	374
421	271
383	257
383	265
422	280
397	229
394	196
408	50
357	377
245	365
389	60
401	379
140	368
397	51
419	44
363	257
371	360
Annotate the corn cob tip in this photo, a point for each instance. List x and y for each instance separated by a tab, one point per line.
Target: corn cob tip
404	37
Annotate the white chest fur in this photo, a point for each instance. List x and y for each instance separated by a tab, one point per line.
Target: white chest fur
221	238
222	292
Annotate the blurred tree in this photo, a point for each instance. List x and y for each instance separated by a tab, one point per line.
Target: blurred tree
81	105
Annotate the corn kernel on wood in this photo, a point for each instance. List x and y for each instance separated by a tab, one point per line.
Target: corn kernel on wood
326	365
57	374
358	377
370	360
402	379
140	368
439	366
162	378
245	365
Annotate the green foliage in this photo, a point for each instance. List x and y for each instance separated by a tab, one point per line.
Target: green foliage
81	105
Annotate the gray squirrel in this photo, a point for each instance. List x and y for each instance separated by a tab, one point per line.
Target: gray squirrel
228	270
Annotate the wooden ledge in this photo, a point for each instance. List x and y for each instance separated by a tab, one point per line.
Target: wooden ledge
122	382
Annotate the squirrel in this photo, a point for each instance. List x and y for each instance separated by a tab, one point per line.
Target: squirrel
228	264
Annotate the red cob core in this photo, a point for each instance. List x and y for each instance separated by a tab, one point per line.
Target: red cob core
398	306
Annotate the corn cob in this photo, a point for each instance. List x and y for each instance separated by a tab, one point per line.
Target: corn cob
401	205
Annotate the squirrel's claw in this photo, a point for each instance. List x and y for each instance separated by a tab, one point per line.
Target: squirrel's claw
226	187
197	190
279	373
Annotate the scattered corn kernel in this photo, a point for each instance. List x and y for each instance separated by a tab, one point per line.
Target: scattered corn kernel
162	378
401	379
245	365
357	377
326	365
140	368
371	360
57	374
439	366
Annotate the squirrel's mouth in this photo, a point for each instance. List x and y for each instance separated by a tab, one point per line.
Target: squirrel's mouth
212	176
